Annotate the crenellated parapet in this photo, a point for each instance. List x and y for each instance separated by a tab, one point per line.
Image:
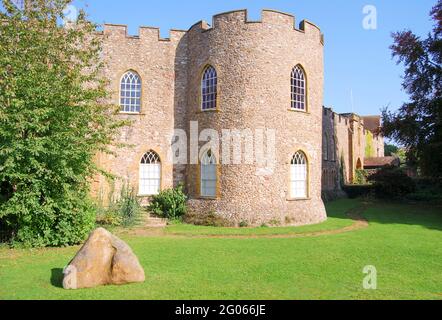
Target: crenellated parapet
268	18
231	18
144	34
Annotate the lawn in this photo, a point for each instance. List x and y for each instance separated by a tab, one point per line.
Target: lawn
402	241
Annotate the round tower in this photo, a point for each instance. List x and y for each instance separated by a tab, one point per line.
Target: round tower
258	66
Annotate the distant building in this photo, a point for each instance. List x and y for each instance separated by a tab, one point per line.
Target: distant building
350	142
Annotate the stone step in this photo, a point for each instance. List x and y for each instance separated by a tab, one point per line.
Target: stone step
153	222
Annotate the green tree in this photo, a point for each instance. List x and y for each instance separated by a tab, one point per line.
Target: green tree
54	119
418	124
390	150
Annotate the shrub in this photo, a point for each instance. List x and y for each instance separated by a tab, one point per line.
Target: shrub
361	177
54	119
211	219
121	212
128	206
392	183
243	224
355	191
170	203
428	190
53	227
107	217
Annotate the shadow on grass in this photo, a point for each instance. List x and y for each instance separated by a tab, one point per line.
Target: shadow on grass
394	212
57	277
405	213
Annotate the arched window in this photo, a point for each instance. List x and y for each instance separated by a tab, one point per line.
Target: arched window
299	91
209	90
333	151
150	174
208	174
325	147
130	92
299	176
359	164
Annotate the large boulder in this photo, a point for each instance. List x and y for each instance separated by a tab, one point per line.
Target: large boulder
103	260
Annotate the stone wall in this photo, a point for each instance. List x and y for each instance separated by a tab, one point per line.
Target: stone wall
154	59
254	60
347	136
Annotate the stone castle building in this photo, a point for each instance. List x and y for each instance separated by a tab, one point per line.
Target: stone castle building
250	76
349	141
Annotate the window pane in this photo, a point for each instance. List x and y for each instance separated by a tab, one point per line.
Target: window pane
130	92
209	89
298	85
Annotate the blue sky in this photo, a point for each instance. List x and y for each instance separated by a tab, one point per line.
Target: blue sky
356	60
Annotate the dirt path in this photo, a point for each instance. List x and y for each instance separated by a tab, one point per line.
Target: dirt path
359	222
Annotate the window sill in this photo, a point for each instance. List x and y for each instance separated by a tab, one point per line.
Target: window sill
209	111
298	111
207	198
132	113
146	195
298	199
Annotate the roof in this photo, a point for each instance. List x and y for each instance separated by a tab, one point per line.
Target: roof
372	123
382	162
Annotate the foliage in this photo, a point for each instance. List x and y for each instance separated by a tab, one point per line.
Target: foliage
369	149
361	177
128	206
211	219
392	183
390	150
170	203
53	121
418	124
243	224
124	211
356	191
427	190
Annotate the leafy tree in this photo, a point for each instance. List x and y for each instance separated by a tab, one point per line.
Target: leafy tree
390	150
53	121
418	124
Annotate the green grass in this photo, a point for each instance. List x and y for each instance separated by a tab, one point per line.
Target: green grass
337	220
402	241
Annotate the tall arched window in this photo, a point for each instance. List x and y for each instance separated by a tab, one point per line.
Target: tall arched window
130	92
209	91
299	176
208	174
299	91
325	147
334	147
150	174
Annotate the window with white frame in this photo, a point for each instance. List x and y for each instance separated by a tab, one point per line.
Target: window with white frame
208	174
299	91
150	174
209	90
130	92
299	176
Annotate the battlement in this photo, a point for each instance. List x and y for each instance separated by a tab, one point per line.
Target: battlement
348	118
268	17
144	33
